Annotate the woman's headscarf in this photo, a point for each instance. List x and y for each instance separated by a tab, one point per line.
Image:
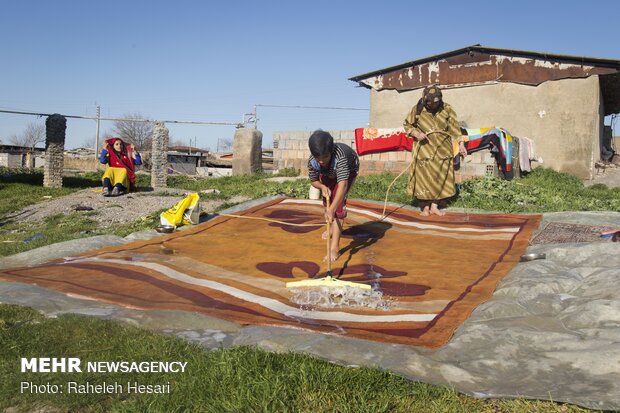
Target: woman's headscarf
432	98
122	159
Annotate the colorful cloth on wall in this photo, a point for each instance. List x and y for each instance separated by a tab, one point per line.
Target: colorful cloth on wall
372	140
499	140
236	269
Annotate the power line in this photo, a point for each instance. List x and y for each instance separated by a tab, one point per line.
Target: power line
120	119
255	114
309	107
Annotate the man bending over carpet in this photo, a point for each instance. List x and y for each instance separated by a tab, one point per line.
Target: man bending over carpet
332	168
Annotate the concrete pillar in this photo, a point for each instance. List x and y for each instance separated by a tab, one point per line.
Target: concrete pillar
159	155
247	152
29	160
55	128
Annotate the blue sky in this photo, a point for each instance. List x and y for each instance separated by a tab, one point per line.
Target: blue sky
214	60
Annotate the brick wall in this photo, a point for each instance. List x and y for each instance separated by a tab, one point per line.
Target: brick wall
290	150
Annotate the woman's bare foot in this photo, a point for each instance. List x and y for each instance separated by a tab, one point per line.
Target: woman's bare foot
425	212
324	235
436	211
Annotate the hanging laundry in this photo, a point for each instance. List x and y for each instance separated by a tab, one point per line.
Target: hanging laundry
498	140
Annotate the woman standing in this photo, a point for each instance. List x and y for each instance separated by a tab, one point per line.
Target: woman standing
433	125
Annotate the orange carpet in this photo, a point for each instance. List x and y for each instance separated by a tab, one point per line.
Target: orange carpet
433	271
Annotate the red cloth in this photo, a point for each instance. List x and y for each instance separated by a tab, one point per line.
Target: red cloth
332	184
372	140
124	161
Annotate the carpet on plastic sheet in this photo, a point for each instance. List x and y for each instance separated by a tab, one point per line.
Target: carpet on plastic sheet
432	271
561	232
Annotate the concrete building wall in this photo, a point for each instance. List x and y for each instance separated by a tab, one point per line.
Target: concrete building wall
563	117
20	160
182	164
39	161
11	160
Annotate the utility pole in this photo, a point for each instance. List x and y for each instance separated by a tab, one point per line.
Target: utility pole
255	118
97	134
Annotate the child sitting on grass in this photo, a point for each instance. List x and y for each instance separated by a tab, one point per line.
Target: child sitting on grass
332	168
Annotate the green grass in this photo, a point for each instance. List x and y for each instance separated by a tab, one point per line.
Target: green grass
253	186
544	190
374	187
18	237
242	379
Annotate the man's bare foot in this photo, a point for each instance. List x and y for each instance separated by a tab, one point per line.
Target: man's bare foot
425	212
333	255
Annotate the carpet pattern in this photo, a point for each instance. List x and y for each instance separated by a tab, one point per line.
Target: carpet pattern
432	271
561	232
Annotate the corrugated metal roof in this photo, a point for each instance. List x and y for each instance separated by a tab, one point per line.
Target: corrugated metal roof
610	63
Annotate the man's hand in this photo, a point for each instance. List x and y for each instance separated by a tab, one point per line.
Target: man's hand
326	192
329	215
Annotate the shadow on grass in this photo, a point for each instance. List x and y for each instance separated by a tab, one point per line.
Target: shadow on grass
35	177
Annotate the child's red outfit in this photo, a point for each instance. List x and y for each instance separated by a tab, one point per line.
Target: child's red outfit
344	165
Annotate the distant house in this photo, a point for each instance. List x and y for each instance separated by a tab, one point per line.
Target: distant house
81	153
220	164
82	159
13	156
558	101
185	159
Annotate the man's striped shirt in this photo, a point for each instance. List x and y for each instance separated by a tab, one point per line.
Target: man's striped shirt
344	161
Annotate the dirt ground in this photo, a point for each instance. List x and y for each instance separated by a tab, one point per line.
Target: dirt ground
609	176
107	211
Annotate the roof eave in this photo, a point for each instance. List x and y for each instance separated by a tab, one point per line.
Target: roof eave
478	48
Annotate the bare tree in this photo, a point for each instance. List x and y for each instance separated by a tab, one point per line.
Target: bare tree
224	144
89	143
138	133
173	141
30	137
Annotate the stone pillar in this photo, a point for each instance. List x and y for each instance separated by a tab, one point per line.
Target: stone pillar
55	128
159	155
247	152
